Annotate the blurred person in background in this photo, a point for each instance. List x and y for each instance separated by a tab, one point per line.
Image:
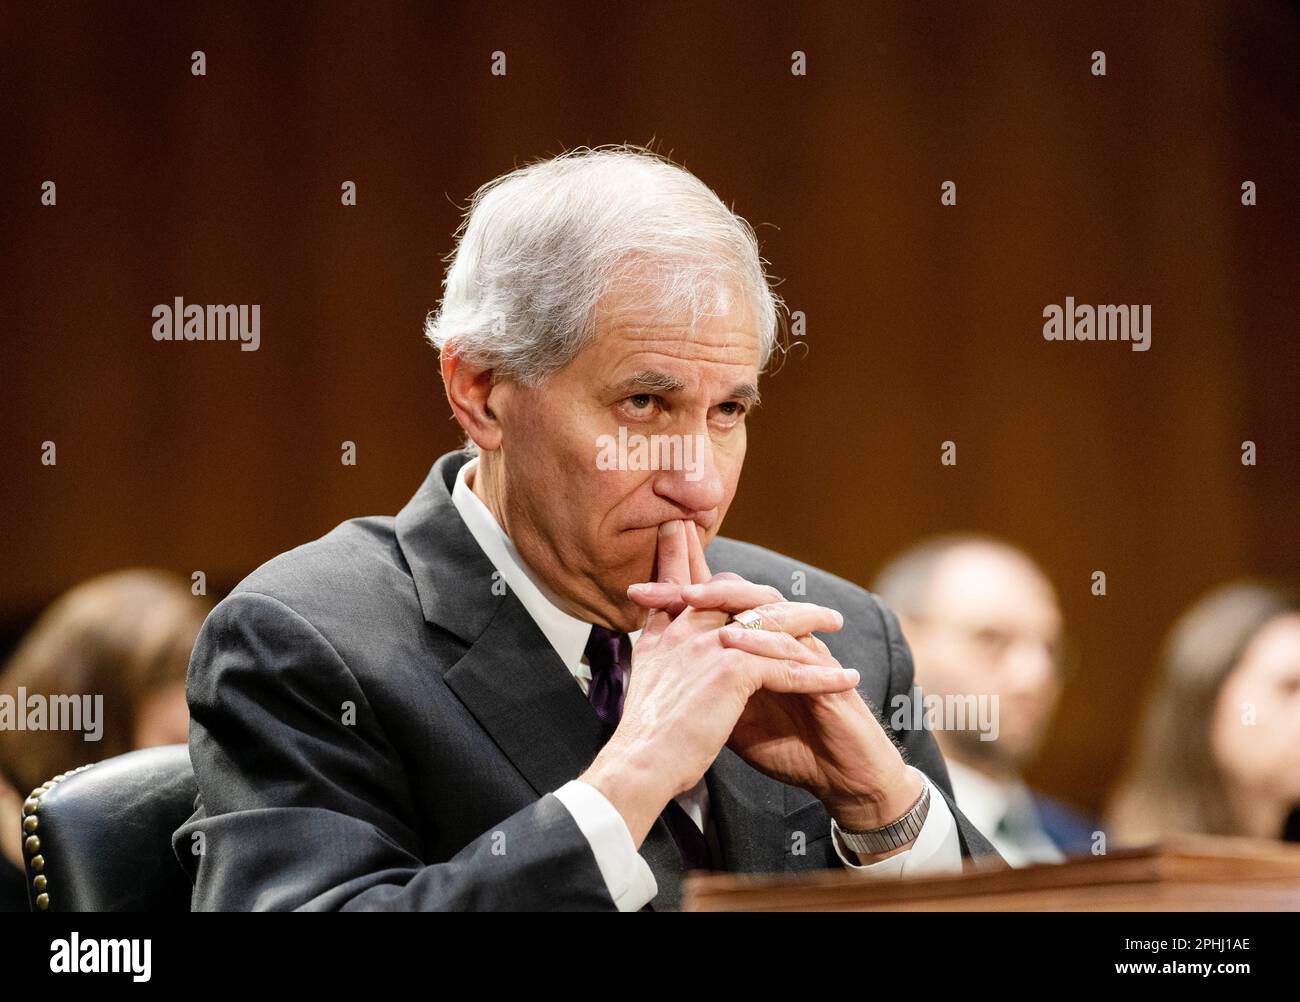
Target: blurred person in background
1219	753
983	621
125	636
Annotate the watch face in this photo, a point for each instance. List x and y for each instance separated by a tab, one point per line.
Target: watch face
892	835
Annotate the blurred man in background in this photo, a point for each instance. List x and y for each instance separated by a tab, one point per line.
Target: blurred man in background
983	622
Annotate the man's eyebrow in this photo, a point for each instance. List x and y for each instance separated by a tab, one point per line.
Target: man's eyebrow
657	381
649	381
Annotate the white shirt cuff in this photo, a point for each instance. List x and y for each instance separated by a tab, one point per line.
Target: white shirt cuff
936	849
627	875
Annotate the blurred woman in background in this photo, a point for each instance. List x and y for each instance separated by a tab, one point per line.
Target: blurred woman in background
125	636
1220	750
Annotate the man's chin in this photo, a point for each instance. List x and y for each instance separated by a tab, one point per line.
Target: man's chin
997	755
633	620
625	616
641	559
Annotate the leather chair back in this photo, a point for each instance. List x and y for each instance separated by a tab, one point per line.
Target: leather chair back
98	838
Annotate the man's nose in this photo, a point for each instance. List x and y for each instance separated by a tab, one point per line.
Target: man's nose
1031	665
695	483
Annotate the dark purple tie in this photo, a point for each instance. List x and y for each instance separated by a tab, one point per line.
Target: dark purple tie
610	654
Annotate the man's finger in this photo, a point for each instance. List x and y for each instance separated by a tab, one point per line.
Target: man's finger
815	644
672	570
731	594
695	553
726	591
770	644
656	595
656	621
798	618
778	675
673	563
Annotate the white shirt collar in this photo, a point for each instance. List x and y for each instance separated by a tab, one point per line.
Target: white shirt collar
567	634
986	802
983	800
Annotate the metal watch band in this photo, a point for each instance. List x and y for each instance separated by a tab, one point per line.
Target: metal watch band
892	835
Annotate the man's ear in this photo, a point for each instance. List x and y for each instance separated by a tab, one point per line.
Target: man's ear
911	631
470	391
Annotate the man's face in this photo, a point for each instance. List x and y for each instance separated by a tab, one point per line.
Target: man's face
992	628
589	531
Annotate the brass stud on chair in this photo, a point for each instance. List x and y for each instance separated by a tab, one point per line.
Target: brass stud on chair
32	844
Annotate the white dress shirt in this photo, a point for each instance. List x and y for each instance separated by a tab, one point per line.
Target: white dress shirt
627	875
1004	811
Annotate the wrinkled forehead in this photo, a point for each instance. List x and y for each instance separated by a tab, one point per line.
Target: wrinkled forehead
710	323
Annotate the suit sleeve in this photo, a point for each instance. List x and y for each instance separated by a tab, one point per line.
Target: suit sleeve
918	745
304	805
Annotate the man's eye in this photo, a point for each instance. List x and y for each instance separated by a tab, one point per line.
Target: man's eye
730	413
640	404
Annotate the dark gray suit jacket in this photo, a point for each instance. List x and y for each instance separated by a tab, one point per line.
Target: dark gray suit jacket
374	727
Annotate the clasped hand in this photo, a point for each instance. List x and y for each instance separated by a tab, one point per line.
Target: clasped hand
776	696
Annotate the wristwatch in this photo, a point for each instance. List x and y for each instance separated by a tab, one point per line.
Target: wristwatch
892	835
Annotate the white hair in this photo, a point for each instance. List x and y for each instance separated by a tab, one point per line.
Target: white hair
539	246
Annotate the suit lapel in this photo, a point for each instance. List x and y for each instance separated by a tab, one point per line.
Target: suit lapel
510	678
517	688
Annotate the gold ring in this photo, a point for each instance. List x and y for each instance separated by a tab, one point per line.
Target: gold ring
750	619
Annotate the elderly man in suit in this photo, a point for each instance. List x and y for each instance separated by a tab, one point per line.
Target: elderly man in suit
548	683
